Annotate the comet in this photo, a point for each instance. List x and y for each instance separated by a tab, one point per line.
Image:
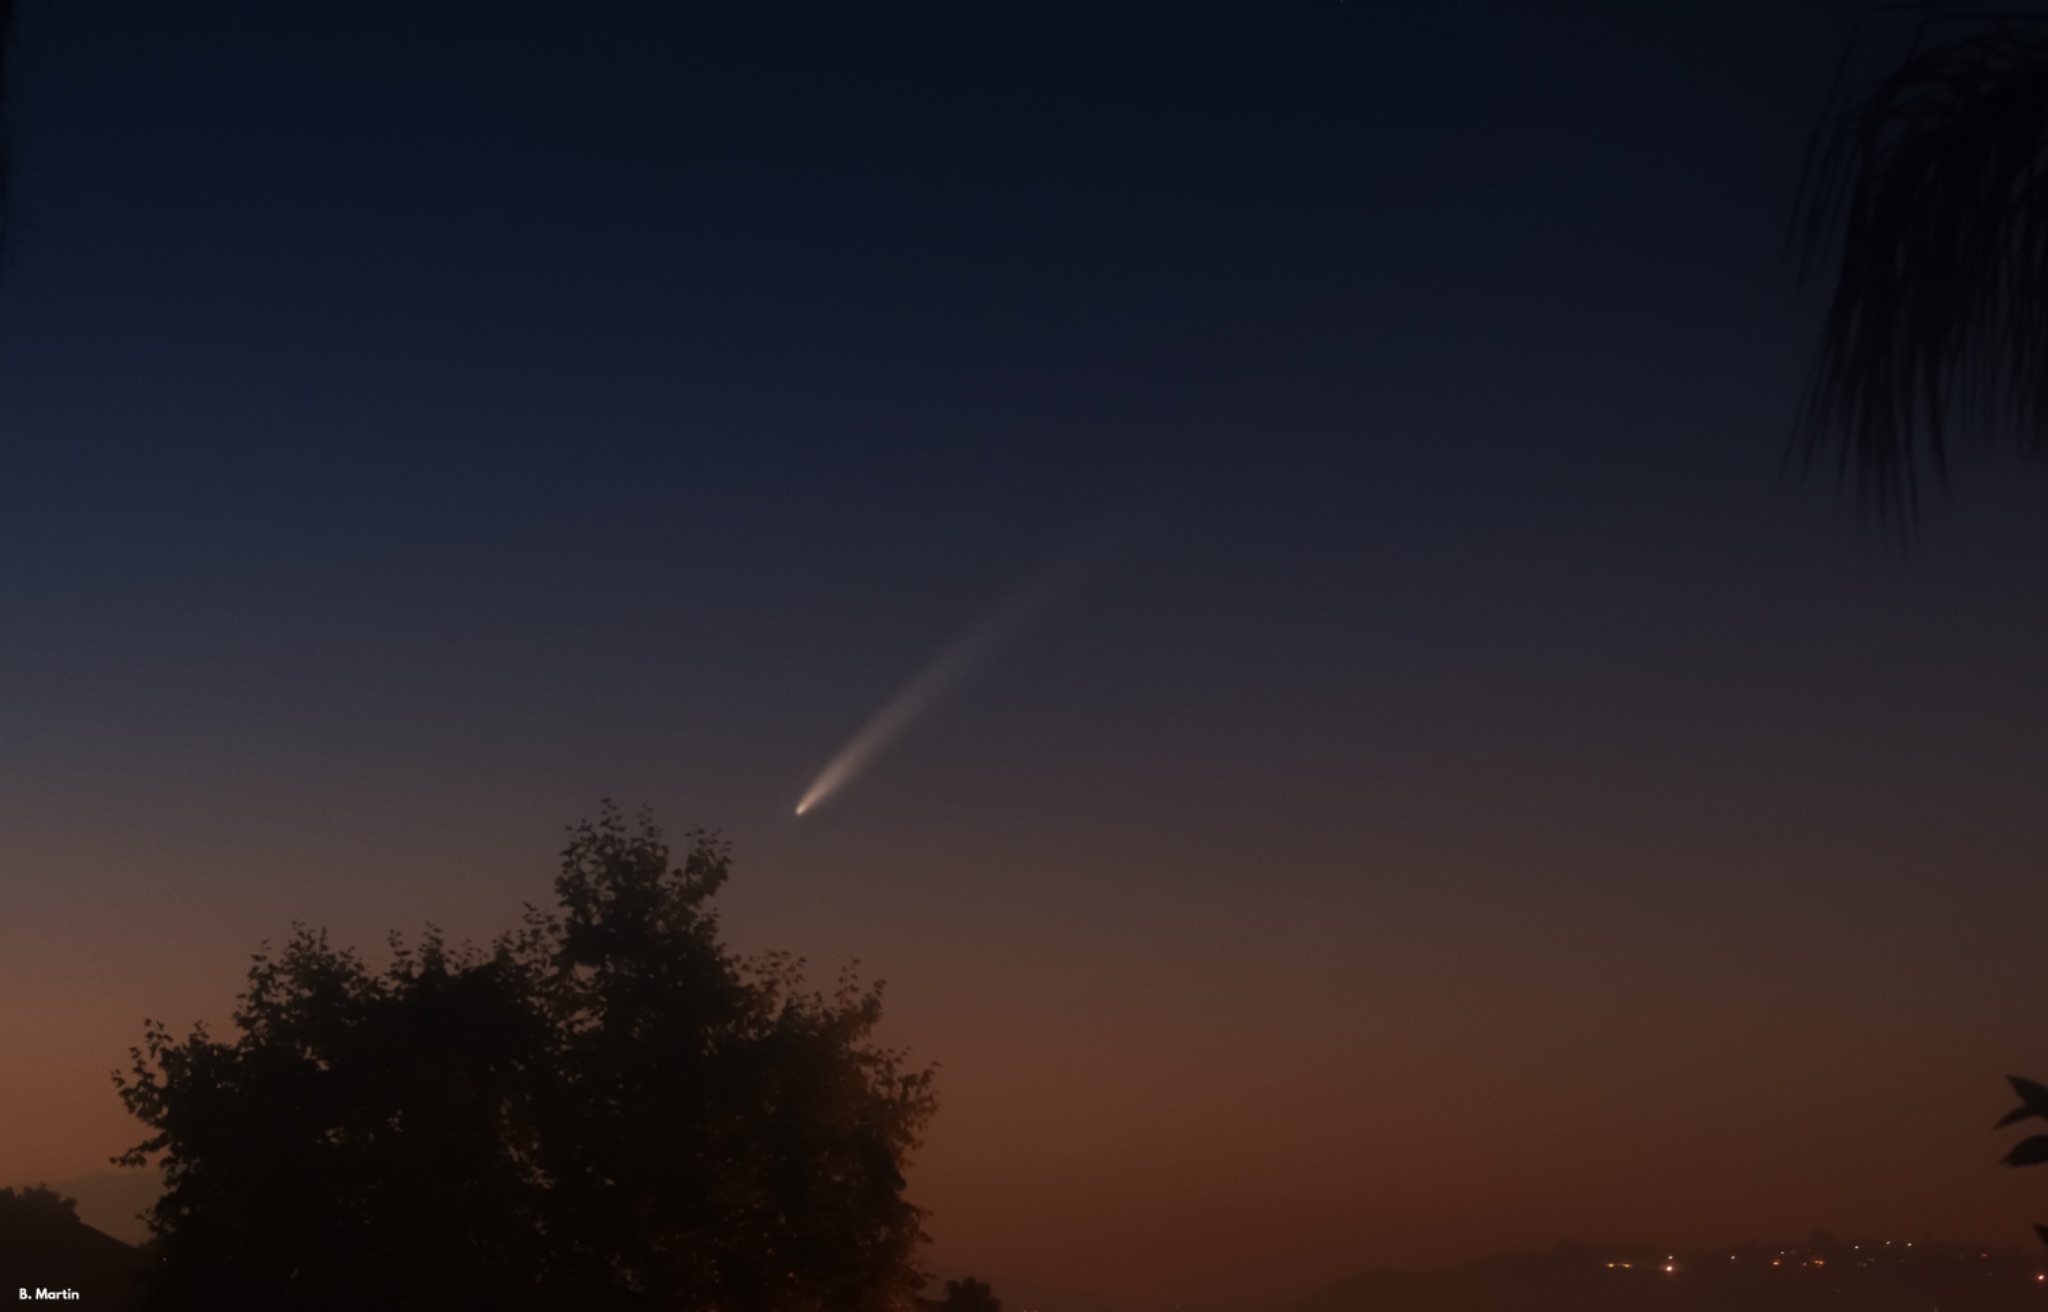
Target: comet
947	670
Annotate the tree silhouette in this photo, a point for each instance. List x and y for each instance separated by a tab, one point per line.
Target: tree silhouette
44	1244
6	140
1933	184
1927	192
37	1205
606	1110
2033	1150
970	1295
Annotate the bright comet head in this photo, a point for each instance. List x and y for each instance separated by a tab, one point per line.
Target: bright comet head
952	665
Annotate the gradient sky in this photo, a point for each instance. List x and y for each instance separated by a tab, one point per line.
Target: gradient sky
1483	805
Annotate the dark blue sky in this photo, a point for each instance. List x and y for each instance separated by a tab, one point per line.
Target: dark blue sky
417	421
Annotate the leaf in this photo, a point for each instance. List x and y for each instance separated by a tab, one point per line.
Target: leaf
2032	1093
1924	193
2029	1152
2033	1101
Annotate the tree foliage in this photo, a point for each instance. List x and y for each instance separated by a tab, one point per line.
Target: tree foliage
607	1109
6	140
36	1205
970	1295
2032	1150
1926	199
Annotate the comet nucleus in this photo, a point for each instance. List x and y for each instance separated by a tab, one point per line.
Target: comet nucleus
945	673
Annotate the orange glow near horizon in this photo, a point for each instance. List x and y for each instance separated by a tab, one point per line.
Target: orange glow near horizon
1141	1100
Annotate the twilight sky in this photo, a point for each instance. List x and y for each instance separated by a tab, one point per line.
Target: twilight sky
1475	801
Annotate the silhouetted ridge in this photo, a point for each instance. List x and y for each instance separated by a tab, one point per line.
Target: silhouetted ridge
43	1245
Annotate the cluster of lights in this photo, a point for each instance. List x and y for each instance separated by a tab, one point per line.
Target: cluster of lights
1670	1263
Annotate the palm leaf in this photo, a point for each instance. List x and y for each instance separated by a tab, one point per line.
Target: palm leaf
1927	194
6	144
2033	1101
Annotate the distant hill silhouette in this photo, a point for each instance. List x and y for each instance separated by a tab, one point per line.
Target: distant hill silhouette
43	1245
1865	1276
